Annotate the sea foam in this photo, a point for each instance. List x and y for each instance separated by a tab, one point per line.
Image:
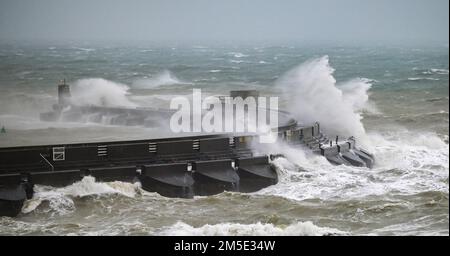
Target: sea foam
61	199
257	229
406	164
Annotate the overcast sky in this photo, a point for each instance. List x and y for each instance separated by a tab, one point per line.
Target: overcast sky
396	21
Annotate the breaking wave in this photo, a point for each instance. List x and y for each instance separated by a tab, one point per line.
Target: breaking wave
406	164
422	78
433	71
238	54
356	93
83	49
60	200
439	71
313	95
164	78
100	92
258	229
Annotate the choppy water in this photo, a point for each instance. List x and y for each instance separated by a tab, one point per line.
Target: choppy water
401	94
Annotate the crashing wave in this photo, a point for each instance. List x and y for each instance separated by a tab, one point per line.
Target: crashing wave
313	95
258	229
100	92
60	200
164	78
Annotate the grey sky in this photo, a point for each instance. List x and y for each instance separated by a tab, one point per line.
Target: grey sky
394	21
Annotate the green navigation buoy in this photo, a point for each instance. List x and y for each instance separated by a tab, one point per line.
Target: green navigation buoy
3	130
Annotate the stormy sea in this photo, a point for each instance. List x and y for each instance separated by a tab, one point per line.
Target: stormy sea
393	99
